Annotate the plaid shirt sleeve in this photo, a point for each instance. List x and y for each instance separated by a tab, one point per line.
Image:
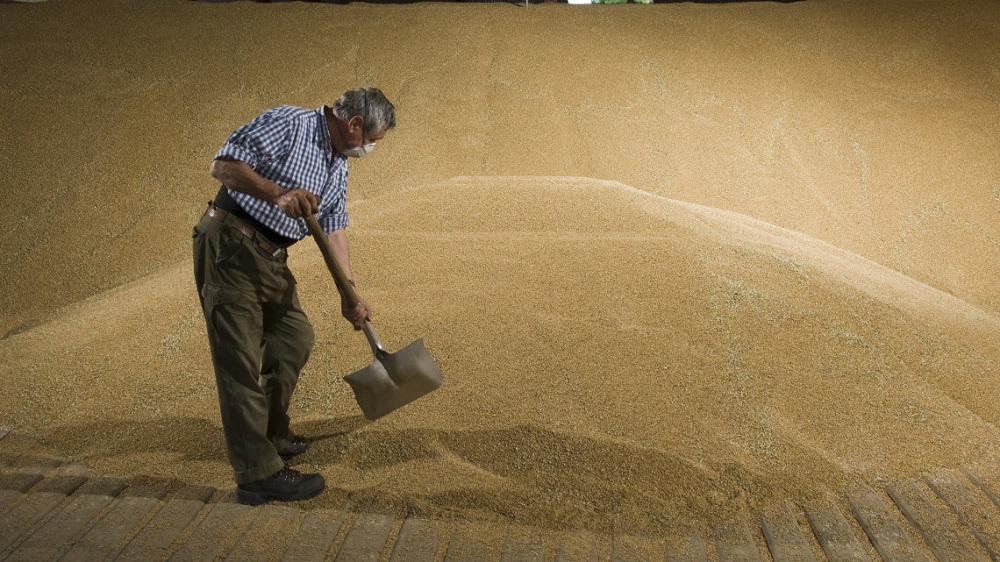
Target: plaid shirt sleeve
333	209
334	221
264	139
291	147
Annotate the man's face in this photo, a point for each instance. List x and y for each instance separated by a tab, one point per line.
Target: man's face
357	144
356	136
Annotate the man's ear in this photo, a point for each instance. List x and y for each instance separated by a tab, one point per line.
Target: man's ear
355	122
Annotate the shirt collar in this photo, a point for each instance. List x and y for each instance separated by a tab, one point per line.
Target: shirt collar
323	132
324	135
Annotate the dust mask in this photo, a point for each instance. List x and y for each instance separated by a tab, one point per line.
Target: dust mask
360	151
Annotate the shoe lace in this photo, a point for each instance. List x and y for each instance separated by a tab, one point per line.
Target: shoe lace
288	474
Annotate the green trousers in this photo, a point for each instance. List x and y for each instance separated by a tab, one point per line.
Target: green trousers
259	338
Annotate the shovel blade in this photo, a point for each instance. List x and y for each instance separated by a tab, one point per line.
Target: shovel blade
394	380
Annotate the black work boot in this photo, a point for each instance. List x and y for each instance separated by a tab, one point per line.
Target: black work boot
287	485
296	446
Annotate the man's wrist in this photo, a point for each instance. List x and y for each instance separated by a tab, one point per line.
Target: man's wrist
281	192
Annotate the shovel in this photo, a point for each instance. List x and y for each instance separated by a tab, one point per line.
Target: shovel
393	379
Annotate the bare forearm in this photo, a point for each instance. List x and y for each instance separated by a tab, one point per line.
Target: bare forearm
241	177
238	175
355	312
339	246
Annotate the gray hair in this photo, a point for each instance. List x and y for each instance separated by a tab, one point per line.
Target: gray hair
369	103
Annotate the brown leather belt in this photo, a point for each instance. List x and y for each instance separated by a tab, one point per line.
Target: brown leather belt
229	220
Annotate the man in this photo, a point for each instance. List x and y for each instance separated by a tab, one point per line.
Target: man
286	164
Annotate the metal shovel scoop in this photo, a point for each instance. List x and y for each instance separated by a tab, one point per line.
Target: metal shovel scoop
393	379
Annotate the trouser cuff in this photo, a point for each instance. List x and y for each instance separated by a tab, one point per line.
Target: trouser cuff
259	472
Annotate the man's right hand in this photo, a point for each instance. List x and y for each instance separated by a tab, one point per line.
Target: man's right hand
298	203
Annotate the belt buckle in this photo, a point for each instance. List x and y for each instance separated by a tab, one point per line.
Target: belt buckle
263	243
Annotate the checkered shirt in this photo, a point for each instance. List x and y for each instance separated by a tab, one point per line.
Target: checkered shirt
291	147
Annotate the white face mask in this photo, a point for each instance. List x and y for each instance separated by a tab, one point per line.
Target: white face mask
360	151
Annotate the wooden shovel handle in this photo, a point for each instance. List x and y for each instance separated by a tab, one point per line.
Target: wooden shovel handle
343	283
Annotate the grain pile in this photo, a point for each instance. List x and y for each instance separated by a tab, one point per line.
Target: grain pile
784	284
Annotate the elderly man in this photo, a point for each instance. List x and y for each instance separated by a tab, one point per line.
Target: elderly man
286	164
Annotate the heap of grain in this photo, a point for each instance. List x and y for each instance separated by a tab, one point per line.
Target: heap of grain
611	353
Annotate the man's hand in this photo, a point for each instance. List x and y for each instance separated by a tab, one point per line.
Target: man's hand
297	203
356	315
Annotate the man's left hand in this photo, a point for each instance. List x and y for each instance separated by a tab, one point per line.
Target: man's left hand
356	315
